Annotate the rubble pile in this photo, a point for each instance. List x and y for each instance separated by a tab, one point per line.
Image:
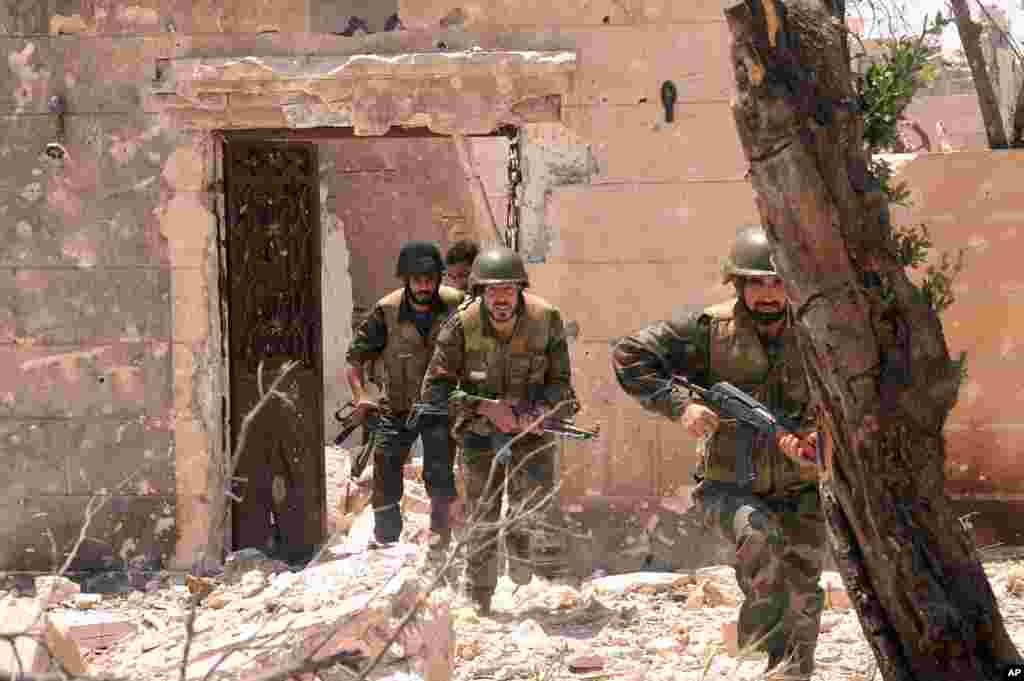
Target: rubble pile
639	626
350	602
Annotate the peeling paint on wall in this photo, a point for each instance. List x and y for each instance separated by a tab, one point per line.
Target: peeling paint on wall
552	155
337	303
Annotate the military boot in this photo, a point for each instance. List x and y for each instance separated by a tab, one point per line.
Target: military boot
387	525
440	532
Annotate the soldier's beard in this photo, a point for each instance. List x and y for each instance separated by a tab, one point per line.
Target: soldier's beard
503	313
767	314
421	297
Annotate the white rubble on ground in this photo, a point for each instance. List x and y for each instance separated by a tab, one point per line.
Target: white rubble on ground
662	626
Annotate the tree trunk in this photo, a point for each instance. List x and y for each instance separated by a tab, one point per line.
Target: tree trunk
970	38
1017	134
881	373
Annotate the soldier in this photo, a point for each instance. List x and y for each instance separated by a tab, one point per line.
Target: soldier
459	261
399	334
499	361
777	528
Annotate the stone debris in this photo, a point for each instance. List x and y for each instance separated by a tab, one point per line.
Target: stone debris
644	625
28	617
1015	581
256	612
54	589
835	592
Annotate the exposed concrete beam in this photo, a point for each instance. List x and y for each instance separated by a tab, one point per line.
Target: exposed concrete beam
467	92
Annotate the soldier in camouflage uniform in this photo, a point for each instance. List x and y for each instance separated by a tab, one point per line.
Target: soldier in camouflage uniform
777	527
399	335
499	361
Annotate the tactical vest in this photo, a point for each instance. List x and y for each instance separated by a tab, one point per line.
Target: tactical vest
736	355
511	369
407	353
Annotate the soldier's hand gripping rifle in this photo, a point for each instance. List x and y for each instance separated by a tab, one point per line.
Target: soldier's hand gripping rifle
349	418
556	426
752	418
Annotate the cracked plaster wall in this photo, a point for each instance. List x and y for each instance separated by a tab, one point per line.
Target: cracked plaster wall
131	220
108	262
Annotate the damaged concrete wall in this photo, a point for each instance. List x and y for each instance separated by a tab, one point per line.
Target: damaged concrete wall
972	200
110	262
105	335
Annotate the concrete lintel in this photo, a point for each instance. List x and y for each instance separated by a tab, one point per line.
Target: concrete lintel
465	92
413	64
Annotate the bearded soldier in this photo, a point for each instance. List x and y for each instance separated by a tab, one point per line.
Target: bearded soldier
399	335
776	524
501	361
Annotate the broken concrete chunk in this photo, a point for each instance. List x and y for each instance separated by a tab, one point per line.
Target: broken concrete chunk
87	601
252	583
664	645
529	634
584	664
708	594
730	638
1015	580
241	562
619	584
220	599
200	587
92	630
58	650
835	594
52	589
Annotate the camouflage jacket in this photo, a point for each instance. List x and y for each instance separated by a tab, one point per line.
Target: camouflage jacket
721	344
389	337
471	362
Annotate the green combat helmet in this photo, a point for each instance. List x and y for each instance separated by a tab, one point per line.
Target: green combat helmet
498	265
419	257
751	255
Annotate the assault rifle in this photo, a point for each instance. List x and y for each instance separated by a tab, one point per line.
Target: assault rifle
346	415
752	417
556	426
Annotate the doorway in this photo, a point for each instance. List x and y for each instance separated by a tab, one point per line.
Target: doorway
314	221
274	316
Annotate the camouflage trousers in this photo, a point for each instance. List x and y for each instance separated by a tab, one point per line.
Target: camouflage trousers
780	552
534	543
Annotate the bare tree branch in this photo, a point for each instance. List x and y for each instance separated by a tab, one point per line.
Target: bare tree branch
970	38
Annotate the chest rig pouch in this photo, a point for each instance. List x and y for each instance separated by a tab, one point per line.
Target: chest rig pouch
737	355
513	369
407	354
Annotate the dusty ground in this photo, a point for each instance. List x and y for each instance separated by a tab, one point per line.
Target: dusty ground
657	626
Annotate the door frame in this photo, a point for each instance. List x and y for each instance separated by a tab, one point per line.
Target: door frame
229	426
